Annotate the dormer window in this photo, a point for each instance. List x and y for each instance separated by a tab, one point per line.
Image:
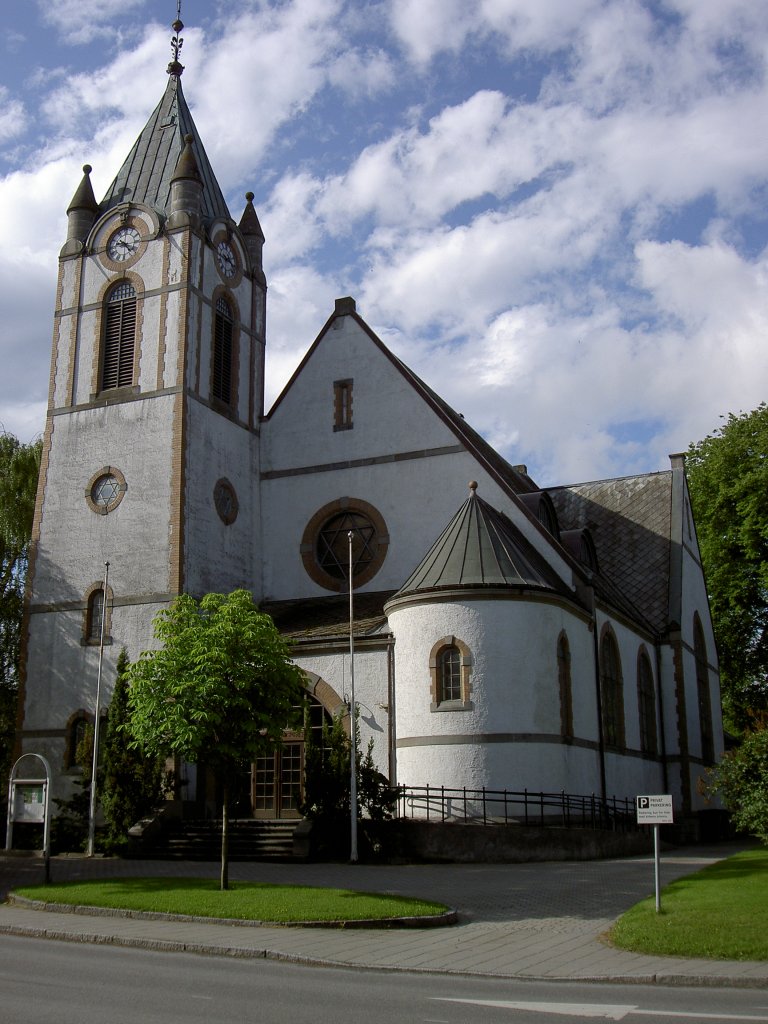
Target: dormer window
581	546
541	506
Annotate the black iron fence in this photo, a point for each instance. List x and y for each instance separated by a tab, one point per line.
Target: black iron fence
509	807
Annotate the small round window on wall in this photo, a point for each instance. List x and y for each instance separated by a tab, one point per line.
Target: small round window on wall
225	500
105	490
325	544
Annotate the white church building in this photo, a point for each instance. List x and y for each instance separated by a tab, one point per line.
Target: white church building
507	636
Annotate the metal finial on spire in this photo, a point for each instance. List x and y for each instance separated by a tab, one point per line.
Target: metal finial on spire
176	67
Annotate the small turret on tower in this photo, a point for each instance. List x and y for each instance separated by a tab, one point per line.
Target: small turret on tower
253	235
186	188
81	215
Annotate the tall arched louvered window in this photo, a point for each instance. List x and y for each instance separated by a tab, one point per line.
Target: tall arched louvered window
119	337
611	692
702	687
646	700
222	352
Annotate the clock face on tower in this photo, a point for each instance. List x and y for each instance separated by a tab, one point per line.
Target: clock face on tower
123	244
226	259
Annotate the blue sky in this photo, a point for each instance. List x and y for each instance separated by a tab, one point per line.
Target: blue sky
555	211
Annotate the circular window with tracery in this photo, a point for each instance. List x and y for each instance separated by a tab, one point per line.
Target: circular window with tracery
325	545
225	500
105	490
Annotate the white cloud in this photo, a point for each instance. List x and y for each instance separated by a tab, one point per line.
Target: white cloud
80	21
507	245
426	27
12	116
363	73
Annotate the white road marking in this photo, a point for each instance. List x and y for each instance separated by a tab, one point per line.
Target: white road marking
601	1010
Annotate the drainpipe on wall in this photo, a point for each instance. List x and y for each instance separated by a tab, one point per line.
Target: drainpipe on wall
391	724
587	595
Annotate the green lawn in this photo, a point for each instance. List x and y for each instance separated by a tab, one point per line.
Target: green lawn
242	901
720	912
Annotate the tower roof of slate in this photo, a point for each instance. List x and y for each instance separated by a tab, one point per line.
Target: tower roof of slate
480	547
146	175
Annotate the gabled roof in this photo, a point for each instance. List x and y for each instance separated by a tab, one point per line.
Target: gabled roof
480	547
146	175
511	477
630	519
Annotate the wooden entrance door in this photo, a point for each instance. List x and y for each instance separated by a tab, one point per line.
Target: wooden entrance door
277	780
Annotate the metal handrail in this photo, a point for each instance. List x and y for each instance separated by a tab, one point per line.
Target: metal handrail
504	806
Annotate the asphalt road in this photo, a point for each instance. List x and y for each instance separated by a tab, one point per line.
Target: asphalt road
43	982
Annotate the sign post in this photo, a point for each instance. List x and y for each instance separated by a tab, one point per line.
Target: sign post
29	801
655	810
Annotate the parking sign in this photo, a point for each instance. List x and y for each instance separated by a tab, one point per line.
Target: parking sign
654	810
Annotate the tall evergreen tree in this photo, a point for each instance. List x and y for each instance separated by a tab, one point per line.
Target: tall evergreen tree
132	780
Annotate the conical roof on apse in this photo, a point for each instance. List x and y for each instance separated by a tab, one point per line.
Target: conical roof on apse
480	547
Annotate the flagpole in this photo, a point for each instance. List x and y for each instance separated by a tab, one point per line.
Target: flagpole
352	719
96	721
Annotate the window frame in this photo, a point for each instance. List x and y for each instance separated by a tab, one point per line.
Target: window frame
342	404
88	638
118	337
646	705
565	686
223	351
611	692
436	661
308	549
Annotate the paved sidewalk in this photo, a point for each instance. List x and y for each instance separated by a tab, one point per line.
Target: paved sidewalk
516	920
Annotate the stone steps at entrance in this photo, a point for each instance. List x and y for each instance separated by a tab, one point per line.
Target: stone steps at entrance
249	839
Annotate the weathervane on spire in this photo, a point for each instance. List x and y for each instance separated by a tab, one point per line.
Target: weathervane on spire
176	67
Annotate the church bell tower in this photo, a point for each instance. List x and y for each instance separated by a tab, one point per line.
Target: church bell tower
151	447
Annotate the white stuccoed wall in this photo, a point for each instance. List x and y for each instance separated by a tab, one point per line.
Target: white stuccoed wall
416	496
514	690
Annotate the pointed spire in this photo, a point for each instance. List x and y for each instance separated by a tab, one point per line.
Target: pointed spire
253	236
249	222
81	214
84	199
176	68
147	173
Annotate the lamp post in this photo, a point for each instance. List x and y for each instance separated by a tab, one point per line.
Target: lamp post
352	719
97	716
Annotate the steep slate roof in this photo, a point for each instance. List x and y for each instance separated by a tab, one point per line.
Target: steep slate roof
630	520
146	175
480	547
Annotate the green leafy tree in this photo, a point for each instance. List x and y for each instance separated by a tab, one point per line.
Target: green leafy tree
741	779
728	480
221	689
132	781
19	469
